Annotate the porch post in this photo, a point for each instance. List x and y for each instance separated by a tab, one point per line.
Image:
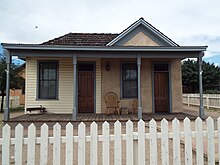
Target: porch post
7	90
74	87
201	107
139	88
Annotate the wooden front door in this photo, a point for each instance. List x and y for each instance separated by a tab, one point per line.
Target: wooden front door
86	91
161	88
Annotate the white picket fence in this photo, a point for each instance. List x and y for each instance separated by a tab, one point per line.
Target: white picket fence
209	100
13	103
146	143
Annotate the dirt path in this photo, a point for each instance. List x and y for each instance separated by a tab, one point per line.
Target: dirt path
195	112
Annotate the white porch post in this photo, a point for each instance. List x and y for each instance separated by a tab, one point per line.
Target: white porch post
139	88
74	88
8	62
201	107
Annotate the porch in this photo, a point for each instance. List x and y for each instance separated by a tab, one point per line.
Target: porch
88	117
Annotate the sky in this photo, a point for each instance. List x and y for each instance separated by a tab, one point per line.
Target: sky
187	22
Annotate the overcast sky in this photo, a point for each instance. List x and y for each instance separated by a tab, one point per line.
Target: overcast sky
187	22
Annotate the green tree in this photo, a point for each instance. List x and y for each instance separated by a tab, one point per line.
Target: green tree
16	81
211	76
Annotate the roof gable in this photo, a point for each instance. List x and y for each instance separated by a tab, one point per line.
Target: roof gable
140	39
151	37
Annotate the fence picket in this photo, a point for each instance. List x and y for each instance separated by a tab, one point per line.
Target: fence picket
105	144
117	143
211	141
176	141
153	142
56	143
218	123
69	144
6	133
129	143
18	144
44	144
141	142
164	142
199	141
188	141
81	143
31	144
94	142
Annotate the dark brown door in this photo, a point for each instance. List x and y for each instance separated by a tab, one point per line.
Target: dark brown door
161	91
86	92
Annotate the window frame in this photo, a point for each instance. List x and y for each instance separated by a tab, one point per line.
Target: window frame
122	81
57	79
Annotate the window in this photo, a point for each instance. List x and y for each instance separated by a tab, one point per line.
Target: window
47	85
161	67
129	80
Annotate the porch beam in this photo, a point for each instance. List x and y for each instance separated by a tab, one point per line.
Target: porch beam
201	106
74	87
139	88
7	90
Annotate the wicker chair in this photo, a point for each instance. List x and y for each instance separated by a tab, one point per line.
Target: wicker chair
112	102
135	106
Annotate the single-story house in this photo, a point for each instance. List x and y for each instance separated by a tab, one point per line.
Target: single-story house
72	73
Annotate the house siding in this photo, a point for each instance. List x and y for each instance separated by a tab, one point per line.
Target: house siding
111	82
176	85
98	86
64	103
105	81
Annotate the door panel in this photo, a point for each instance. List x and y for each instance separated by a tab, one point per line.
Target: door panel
86	92
161	91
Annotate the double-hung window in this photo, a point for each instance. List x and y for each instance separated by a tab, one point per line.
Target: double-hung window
48	80
129	80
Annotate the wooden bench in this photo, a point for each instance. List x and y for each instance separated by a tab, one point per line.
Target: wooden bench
41	109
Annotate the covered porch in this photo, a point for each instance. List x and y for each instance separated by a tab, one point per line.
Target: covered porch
73	55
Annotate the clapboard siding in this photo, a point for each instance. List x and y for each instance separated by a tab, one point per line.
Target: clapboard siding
64	104
98	86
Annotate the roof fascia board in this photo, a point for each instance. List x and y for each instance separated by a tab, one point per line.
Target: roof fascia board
105	48
159	34
88	54
124	33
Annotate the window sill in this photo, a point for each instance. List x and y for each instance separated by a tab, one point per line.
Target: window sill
128	98
46	99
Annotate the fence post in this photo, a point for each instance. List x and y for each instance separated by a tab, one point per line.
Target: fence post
135	147
207	102
188	100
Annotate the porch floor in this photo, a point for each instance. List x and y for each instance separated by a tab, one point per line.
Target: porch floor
98	117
